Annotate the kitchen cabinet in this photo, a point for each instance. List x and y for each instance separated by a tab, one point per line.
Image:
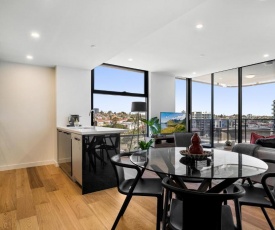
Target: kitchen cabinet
90	167
77	157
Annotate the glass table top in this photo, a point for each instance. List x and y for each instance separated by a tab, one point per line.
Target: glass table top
219	164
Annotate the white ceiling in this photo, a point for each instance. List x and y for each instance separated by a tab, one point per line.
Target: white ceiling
159	35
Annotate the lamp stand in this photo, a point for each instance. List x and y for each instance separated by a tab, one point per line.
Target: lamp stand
137	106
136	125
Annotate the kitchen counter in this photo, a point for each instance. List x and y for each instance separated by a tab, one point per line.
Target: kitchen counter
82	158
90	130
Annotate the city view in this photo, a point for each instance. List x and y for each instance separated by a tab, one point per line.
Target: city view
128	86
225	127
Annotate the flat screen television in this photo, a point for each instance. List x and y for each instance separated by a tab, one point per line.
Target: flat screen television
172	122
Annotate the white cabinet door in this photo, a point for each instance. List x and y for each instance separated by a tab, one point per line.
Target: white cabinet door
77	157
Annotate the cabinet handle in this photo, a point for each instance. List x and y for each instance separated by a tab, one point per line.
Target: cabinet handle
66	133
77	139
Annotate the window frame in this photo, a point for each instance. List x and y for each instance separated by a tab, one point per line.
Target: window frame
122	93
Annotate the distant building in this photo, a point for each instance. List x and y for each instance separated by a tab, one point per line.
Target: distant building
201	121
273	109
201	115
249	116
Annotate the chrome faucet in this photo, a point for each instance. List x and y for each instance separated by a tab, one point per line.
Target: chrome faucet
94	111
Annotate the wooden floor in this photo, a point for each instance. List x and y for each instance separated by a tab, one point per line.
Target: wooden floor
45	198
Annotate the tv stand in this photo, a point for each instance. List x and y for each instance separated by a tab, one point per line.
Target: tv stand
164	141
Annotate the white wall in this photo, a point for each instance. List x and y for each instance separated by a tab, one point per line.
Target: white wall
161	94
73	87
27	115
34	100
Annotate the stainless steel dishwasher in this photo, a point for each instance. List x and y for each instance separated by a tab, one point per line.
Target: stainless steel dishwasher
64	156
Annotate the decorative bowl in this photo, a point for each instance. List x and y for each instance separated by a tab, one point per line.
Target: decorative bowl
203	156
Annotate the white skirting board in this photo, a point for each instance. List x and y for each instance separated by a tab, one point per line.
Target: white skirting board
27	165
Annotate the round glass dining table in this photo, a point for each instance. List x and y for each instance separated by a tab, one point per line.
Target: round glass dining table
224	166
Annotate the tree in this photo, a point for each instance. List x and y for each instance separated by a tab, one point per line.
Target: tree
115	120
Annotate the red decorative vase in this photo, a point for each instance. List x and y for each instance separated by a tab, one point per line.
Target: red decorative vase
195	147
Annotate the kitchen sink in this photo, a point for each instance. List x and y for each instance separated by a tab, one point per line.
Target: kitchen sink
83	127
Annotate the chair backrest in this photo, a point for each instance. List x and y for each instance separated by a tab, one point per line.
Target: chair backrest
270	191
183	139
121	163
244	148
96	141
201	210
113	140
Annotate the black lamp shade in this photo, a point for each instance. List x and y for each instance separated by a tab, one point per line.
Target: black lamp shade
138	106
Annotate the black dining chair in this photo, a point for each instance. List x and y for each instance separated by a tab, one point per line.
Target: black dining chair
130	183
260	196
182	139
195	210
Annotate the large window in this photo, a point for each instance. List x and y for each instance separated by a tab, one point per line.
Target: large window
201	108
114	79
225	107
258	83
180	95
180	105
242	102
113	91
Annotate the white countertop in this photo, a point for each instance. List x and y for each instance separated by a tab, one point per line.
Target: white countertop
89	130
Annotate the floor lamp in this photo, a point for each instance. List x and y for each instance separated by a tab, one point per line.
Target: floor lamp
137	106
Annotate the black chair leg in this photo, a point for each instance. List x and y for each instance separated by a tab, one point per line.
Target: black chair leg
238	214
165	209
267	218
108	155
159	211
92	163
102	156
122	210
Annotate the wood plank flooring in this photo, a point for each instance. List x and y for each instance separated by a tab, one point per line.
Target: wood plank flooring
45	198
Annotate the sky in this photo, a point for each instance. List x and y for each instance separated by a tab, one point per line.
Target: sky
114	79
257	99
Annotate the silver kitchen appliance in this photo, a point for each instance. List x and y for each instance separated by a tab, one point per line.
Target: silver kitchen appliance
73	119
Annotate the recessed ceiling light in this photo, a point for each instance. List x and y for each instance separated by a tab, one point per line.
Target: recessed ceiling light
30	57
250	76
266	55
199	26
130	59
194	73
202	55
35	35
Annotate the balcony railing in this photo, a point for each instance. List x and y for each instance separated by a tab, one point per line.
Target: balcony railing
227	129
223	130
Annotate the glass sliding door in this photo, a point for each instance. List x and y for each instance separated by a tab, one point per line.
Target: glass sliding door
201	108
258	87
225	107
